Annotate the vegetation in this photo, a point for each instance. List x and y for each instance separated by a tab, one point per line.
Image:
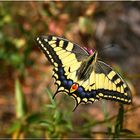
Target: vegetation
26	89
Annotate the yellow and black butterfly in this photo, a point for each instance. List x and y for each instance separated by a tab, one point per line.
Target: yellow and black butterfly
78	73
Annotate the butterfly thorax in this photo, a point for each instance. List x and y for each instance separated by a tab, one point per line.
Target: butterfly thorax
87	66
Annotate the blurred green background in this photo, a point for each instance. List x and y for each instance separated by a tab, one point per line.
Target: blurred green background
26	85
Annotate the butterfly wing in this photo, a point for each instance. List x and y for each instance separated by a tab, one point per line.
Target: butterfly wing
114	87
105	83
65	56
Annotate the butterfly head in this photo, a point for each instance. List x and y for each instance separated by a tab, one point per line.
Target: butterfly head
74	87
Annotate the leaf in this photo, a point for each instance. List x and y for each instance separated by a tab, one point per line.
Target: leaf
20	100
33	118
14	127
119	122
47	124
16	59
50	96
50	106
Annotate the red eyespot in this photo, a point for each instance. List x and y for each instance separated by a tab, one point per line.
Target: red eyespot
74	86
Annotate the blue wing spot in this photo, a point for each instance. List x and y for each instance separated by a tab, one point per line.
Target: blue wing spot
82	94
80	89
60	71
93	94
64	82
88	95
69	83
62	78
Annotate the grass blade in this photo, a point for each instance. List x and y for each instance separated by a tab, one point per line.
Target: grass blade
20	100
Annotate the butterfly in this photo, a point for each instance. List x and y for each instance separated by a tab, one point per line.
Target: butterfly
80	74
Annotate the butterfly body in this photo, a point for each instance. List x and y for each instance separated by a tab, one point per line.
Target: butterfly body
79	73
86	68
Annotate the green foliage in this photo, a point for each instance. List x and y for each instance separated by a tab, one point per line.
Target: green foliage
15	44
119	122
57	122
20	101
50	121
106	116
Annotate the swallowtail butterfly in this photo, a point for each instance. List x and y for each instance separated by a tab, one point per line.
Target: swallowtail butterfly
80	74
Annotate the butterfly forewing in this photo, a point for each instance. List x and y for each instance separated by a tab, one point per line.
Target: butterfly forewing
57	49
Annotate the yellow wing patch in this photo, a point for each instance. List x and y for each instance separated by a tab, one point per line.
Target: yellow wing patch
69	47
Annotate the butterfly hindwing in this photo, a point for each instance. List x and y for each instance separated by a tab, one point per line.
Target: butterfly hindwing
108	84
